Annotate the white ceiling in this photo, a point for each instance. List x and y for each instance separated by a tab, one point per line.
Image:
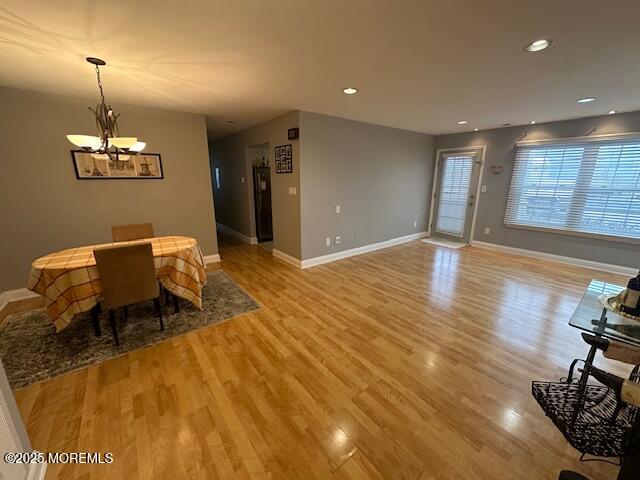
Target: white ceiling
420	65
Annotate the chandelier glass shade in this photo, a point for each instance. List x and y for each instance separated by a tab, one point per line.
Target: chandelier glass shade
108	141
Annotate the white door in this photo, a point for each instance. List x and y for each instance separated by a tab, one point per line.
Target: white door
455	195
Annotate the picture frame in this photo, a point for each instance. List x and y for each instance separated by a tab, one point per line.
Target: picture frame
293	133
98	166
284	159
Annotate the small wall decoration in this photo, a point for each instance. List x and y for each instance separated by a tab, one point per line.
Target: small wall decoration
284	159
293	133
98	166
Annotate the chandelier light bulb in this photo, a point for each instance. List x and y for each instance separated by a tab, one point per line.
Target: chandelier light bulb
138	147
86	142
122	142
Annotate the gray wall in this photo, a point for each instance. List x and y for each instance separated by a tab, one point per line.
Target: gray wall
43	207
501	151
234	199
381	177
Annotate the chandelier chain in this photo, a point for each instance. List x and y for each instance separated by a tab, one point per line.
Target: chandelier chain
108	140
100	84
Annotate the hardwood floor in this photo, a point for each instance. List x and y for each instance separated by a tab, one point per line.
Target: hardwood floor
410	362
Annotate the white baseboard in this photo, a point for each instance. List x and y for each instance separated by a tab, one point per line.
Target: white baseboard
286	258
9	296
332	257
577	262
240	236
211	258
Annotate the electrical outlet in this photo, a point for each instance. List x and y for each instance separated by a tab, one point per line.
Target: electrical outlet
483	189
293	191
337	240
241	179
337	208
415	224
327	242
487	230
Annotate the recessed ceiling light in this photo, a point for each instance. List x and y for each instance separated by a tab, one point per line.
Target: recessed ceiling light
538	45
585	100
532	122
611	112
461	122
349	91
475	129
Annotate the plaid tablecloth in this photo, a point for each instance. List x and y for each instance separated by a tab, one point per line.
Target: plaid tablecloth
70	282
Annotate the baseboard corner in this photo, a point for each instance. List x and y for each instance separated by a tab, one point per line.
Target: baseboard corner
280	255
234	233
214	258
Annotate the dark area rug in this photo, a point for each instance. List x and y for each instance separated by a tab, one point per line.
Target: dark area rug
31	350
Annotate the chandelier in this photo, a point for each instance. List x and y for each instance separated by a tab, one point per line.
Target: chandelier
108	141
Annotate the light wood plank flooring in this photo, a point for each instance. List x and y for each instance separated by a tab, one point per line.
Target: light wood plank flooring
413	362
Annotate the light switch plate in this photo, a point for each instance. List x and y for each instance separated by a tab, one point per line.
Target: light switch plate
483	189
293	190
241	179
415	224
327	242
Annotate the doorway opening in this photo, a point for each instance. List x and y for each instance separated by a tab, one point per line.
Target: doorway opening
456	186
261	166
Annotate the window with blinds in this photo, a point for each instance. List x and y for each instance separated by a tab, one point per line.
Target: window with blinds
587	187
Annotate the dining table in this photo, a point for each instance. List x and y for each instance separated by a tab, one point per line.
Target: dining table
70	283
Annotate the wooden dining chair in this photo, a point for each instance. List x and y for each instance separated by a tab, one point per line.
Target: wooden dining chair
127	276
135	231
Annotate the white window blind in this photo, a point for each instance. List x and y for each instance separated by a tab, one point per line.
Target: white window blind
454	192
590	187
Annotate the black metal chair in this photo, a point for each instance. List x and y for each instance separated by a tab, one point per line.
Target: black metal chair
622	396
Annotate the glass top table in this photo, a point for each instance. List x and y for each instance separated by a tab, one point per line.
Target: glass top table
592	317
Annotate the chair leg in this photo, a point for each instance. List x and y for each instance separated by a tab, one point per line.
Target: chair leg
114	329
158	307
176	304
95	318
167	295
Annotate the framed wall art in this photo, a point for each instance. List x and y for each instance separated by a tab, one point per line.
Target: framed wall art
284	159
98	166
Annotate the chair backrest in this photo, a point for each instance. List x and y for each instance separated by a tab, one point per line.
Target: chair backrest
135	231
127	274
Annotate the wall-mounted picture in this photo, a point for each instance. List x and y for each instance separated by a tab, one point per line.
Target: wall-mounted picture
284	159
95	166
